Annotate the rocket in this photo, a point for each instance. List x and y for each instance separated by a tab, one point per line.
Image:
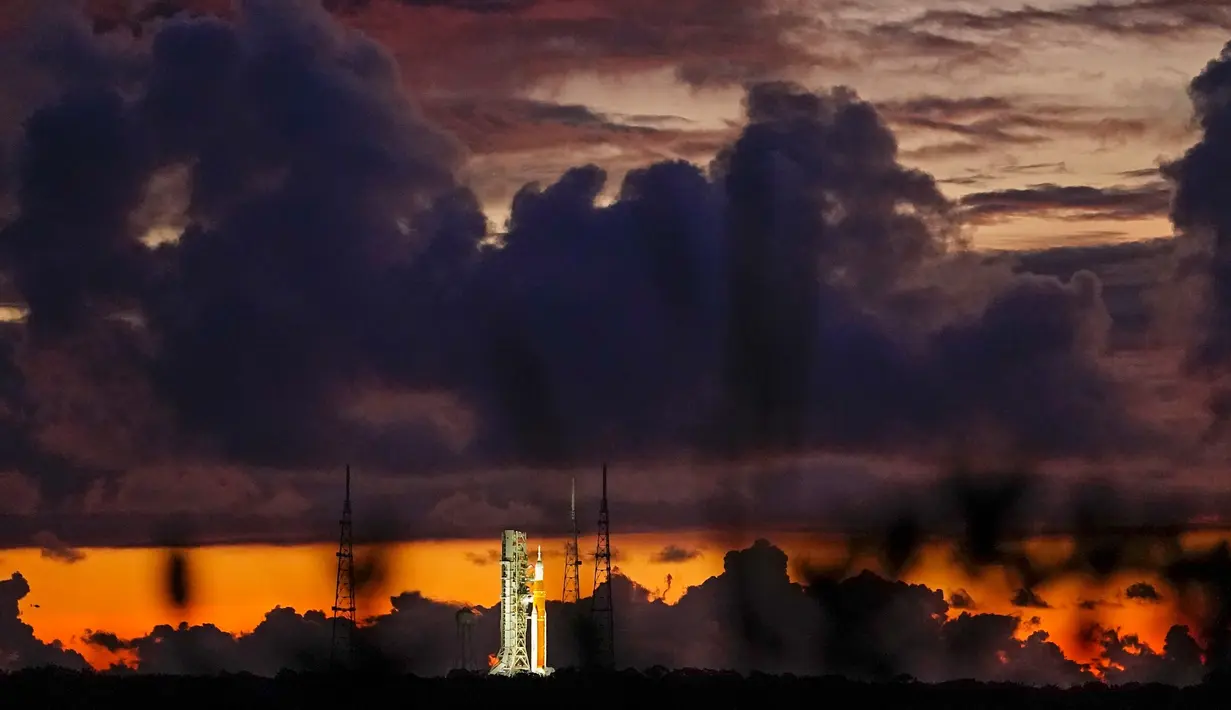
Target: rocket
538	620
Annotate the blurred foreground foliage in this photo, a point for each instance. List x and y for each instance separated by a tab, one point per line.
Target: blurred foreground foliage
656	687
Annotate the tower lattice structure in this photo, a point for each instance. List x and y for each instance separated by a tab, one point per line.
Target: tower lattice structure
342	648
572	554
515	600
601	610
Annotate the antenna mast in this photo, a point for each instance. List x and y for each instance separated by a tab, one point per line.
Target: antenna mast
572	554
342	648
601	603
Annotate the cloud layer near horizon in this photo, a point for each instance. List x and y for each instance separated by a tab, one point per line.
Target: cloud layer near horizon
750	617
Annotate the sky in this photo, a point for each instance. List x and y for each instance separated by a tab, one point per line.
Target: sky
784	265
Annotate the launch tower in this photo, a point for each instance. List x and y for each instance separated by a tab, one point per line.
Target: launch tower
341	651
514	600
572	554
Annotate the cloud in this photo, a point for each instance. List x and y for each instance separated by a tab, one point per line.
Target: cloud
1029	599
55	549
705	43
283	640
750	617
1069	202
1131	661
806	292
494	126
1200	212
945	51
950	126
674	553
961	599
1143	591
540	396
1172	19
18	646
491	557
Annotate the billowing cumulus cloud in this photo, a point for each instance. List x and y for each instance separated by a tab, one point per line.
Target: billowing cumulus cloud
274	261
1200	211
331	293
1131	661
19	648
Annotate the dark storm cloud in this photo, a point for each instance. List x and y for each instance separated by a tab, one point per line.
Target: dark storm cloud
1070	202
1201	213
747	618
1143	591
333	297
70	244
24	448
18	646
1143	258
810	175
254	194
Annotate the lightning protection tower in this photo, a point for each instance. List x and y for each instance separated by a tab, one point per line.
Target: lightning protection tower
515	600
342	648
572	555
601	603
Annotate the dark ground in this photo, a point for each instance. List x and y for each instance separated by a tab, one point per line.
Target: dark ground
57	689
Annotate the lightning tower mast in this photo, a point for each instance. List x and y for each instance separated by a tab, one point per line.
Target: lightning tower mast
601	603
342	648
572	555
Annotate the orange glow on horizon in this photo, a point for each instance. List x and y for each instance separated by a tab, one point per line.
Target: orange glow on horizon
119	590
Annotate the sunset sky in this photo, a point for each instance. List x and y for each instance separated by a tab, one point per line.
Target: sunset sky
122	591
782	263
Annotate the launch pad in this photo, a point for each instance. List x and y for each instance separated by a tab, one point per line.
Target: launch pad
523	608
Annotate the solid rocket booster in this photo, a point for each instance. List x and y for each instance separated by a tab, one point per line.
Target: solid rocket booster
538	619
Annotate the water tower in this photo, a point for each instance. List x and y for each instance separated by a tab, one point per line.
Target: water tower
467	617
